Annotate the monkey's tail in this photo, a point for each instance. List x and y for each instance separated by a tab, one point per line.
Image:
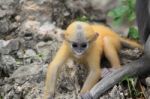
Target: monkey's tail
130	43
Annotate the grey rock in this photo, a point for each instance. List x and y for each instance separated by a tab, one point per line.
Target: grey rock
9	46
4	26
8	65
30	44
5	51
8	2
8	60
13	45
3	13
7	88
114	93
46	50
3	43
29	53
20	54
24	71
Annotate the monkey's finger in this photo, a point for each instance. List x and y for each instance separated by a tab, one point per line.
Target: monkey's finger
107	71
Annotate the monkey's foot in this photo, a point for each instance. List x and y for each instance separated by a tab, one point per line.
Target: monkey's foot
107	71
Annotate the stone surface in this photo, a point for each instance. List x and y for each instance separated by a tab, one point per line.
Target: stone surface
7	65
9	46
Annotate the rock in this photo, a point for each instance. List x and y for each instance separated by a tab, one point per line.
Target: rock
29	56
101	5
7	88
46	50
7	10
13	45
9	46
43	50
18	18
3	43
114	93
48	31
8	65
28	36
27	81
8	60
29	53
31	25
20	54
3	13
28	44
4	26
27	70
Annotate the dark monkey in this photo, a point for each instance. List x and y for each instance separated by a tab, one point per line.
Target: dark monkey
136	68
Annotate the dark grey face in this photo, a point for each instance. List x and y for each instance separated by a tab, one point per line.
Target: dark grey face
79	48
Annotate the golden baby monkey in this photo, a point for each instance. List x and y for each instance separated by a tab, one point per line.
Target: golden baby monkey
86	43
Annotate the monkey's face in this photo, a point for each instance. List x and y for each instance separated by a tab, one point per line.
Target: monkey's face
79	36
79	48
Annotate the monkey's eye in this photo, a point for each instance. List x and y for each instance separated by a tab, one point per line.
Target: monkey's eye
74	45
84	45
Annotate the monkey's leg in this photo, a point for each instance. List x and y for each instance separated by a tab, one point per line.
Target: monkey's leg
52	71
111	53
94	72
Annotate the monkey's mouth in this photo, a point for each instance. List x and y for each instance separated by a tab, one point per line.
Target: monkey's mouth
78	54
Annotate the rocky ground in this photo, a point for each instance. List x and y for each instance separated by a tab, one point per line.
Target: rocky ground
29	38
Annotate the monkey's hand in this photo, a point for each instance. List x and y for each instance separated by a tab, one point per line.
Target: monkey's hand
105	73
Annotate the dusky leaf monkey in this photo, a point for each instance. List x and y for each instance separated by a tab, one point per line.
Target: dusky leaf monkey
137	68
86	43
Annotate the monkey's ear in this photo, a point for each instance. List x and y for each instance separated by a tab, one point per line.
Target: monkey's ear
64	38
96	34
95	37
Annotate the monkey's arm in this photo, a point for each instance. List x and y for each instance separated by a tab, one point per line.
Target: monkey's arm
60	58
94	71
138	67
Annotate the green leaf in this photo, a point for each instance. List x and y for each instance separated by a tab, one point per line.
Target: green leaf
131	86
133	33
131	17
124	12
131	3
117	21
83	18
118	12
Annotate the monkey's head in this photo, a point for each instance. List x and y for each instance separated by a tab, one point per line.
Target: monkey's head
79	36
